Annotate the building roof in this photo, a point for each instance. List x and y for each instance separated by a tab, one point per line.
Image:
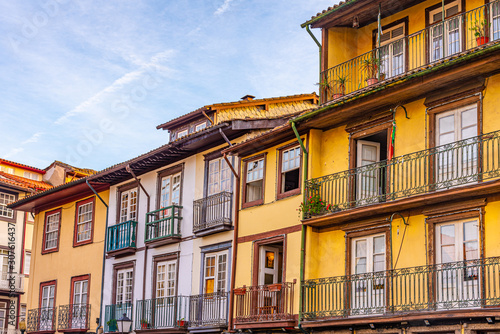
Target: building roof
83	171
23	183
23	166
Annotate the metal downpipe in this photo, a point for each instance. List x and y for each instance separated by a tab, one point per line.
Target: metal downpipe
320	55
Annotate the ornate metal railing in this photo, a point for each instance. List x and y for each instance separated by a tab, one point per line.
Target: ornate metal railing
164	222
212	211
41	319
209	310
273	302
463	162
166	312
115	312
449	286
10	331
413	52
11	282
122	236
73	316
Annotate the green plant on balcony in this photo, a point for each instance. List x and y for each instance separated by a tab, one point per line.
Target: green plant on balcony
370	66
480	29
339	85
314	205
325	88
112	325
144	324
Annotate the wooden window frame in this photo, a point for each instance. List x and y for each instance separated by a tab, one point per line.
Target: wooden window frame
119	190
293	192
256	256
75	279
116	268
167	172
40	291
47	214
244	203
161	258
77	243
14	212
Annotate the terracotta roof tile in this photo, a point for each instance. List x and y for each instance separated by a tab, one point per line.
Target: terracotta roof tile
13	163
23	182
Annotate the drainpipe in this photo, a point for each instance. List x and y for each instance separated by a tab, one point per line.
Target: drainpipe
145	246
320	56
103	254
303	231
235	243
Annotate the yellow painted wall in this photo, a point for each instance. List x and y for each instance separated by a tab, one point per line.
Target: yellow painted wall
69	261
19	171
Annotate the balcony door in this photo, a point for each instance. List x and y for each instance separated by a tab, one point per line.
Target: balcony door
79	307
368	175
368	275
165	305
392	51
457	274
213	306
217	209
170	194
47	301
456	158
268	300
124	282
495	20
128	205
445	38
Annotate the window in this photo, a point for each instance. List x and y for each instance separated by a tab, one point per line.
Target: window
253	192
27	262
47	304
495	19
8	170
3	315
446	38
32	176
4	262
289	168
182	133
128	205
124	286
170	191
51	228
22	312
6	199
84	222
219	176
215	272
200	126
392	50
79	288
166	276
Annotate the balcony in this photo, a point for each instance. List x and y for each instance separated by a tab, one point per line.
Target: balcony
407	292
406	56
213	214
73	318
163	226
41	320
265	306
12	282
466	162
161	313
113	313
208	310
10	331
122	238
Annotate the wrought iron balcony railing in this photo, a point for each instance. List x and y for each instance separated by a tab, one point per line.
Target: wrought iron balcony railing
122	236
264	303
10	331
463	162
165	312
448	286
163	223
11	282
74	317
115	312
209	310
436	43
41	320
213	211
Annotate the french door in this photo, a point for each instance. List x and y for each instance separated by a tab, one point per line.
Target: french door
368	172
393	51
169	195
368	279
165	309
445	37
47	308
79	306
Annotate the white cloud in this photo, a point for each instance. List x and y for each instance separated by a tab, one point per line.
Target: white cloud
33	139
224	8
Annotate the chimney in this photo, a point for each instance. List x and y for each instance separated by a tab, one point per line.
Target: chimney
248	98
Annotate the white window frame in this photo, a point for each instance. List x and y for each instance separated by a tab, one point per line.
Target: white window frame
495	20
6	199
27	262
200	126
8	170
84	221
389	61
53	224
445	37
166	280
129	207
290	161
170	190
182	133
219	177
124	286
255	171
216	271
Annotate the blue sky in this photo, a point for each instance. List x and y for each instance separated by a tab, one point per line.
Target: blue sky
86	82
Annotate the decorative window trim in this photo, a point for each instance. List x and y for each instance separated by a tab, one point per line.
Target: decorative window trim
40	291
77	279
77	243
244	203
116	268
297	191
47	214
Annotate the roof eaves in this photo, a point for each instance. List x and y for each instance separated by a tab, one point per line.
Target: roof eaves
327	12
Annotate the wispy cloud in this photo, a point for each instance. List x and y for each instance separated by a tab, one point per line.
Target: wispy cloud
224	8
33	139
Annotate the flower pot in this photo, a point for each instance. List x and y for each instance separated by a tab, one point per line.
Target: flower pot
371	81
144	326
482	40
112	328
240	291
337	96
274	287
181	323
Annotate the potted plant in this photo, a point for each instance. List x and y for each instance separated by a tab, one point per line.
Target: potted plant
314	205
480	29
325	89
370	66
339	84
144	324
240	291
181	323
112	325
274	287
